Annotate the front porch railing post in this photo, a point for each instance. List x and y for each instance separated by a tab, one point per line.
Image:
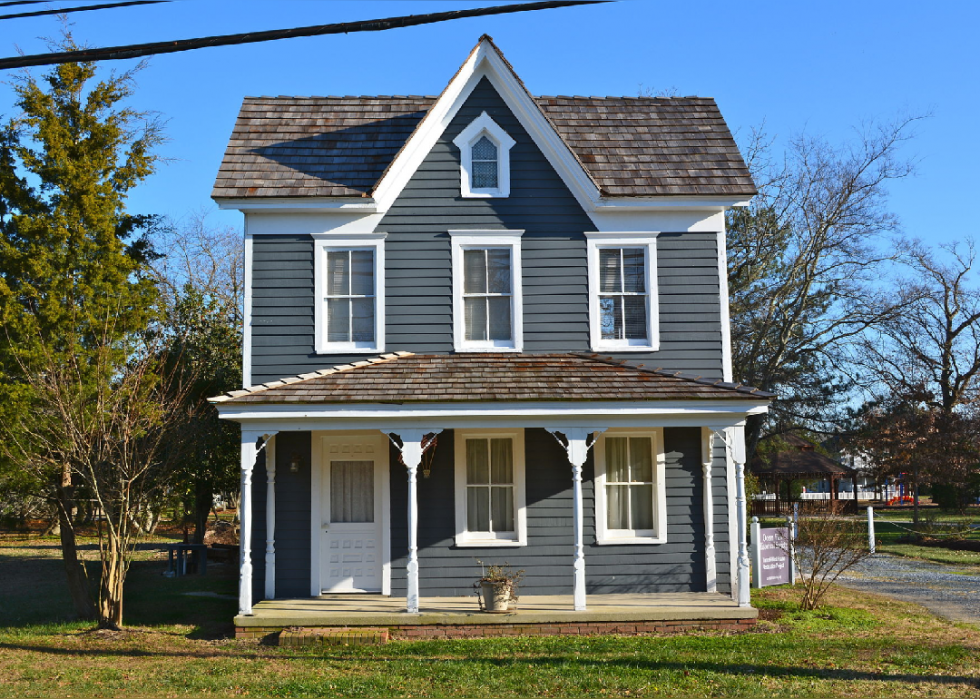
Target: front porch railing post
744	593
707	459
412	446
270	520
249	454
577	447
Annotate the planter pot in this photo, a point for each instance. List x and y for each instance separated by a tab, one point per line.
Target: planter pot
496	596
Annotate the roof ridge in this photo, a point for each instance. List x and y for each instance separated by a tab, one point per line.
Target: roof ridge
338	368
660	371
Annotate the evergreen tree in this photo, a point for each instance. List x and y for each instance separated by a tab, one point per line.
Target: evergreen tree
73	286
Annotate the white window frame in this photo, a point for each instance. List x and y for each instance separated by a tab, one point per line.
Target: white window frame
321	244
605	536
647	240
483	125
465	538
483	240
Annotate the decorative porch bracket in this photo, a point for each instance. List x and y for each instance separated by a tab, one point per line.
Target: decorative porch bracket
707	459
577	444
413	445
250	453
734	439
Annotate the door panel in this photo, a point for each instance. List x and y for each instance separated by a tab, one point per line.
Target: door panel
351	553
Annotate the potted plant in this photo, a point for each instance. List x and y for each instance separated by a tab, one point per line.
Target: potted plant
497	587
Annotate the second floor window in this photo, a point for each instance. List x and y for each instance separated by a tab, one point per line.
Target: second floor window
484	164
622	294
487	295
350	296
349	288
623	304
487	302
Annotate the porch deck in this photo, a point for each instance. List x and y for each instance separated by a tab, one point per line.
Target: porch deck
378	611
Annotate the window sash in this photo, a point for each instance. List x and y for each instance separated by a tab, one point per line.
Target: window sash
350	302
624	306
491	507
488	294
484	162
630	486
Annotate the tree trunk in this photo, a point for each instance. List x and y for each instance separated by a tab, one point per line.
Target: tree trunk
203	500
78	584
111	585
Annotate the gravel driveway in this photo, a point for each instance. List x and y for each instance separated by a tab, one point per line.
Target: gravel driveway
943	589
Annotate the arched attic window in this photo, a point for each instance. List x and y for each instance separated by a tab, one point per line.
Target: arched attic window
484	150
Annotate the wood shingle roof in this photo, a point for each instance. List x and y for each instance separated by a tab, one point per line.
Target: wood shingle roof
489	377
341	146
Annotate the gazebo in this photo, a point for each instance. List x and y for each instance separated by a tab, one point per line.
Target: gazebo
801	462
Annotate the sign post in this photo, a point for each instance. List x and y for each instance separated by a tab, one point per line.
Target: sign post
871	528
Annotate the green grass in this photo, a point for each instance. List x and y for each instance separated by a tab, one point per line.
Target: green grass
860	645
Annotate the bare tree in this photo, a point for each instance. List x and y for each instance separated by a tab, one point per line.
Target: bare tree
116	427
804	260
922	368
826	547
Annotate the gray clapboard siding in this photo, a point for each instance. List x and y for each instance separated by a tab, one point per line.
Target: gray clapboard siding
419	279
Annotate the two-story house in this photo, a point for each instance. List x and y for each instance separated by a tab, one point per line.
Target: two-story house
487	326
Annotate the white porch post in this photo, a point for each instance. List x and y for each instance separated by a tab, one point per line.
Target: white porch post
270	519
577	446
738	449
707	459
249	453
411	450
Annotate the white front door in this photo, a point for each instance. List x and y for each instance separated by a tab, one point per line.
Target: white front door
353	473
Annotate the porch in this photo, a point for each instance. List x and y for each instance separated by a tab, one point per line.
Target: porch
451	617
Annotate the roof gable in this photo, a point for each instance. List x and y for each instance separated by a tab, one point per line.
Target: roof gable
603	148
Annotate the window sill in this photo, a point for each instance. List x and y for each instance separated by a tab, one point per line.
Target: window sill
625	348
484	195
488	543
486	348
345	349
631	540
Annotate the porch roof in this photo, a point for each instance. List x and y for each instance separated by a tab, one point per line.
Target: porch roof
403	377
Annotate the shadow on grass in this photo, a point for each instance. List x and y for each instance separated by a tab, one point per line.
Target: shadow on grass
35	593
558	664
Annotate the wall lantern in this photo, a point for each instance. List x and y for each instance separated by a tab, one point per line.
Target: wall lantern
295	462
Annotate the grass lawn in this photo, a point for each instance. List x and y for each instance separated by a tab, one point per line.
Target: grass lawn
861	645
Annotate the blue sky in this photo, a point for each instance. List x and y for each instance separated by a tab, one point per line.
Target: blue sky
823	67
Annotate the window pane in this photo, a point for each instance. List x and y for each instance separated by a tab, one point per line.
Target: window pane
475	318
616	464
351	491
641	460
502	508
499	317
363	323
611	317
485	175
484	149
498	270
478	509
610	277
617	515
338	272
477	461
636	317
474	271
634	278
501	461
362	272
641	506
338	320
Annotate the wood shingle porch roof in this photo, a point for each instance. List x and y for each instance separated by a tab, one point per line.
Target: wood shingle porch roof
404	377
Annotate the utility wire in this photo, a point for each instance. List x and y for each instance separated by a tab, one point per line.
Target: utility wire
115	53
82	8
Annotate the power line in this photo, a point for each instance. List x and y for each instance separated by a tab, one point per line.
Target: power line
116	53
82	8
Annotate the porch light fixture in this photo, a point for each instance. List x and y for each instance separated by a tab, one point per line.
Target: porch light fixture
429	455
295	462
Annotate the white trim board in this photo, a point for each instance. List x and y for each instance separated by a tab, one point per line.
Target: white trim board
247	312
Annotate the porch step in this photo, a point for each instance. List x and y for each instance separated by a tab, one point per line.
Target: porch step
324	636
